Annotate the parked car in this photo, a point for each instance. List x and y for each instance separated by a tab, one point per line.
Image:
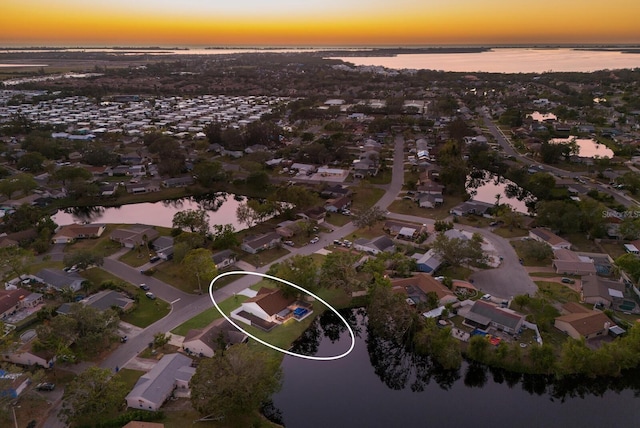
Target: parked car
154	259
337	242
289	243
46	386
145	287
568	281
486	297
124	339
150	295
314	240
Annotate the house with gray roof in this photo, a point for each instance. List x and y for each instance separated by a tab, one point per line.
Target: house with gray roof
484	315
134	235
255	244
59	279
163	247
375	246
172	373
597	290
224	258
428	262
107	299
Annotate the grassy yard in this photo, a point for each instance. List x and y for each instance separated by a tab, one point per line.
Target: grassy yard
556	292
205	318
265	257
129	376
135	258
97	276
147	311
365	197
103	245
614	249
459	272
337	220
383	177
579	242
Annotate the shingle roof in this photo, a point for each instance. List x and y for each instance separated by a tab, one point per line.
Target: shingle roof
496	314
272	302
586	323
158	383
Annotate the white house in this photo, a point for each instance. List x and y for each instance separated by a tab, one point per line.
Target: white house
172	373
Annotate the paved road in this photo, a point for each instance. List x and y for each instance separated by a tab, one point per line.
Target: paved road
508	148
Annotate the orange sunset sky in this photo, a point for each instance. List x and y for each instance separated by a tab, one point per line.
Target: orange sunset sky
316	22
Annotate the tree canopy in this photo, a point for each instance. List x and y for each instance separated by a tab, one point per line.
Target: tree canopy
234	382
196	221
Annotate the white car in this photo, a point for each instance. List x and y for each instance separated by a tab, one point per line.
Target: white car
314	240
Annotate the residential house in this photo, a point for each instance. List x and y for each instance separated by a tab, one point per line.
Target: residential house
134	236
428	262
335	191
567	262
163	246
597	290
224	259
270	307
430	200
170	375
418	286
22	353
318	214
59	279
483	315
471	207
550	238
72	232
374	246
148	186
206	341
580	322
107	299
11	301
255	244
338	204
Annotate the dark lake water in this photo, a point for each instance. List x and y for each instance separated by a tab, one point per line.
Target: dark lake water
220	207
378	385
483	186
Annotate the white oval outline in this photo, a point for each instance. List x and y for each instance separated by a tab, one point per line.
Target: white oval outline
284	351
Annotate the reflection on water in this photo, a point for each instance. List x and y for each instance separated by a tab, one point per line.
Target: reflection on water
382	385
484	186
220	207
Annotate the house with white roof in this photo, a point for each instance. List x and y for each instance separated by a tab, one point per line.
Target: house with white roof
170	375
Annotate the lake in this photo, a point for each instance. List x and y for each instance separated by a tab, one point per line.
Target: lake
483	186
587	147
221	208
505	60
368	388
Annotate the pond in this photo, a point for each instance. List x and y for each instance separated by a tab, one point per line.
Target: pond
221	208
484	186
380	385
587	147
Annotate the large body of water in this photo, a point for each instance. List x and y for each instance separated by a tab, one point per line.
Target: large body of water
496	60
221	209
506	60
368	388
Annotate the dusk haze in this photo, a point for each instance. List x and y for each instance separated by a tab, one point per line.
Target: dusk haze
316	22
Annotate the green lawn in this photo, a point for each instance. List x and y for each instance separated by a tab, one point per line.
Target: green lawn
365	197
97	276
405	206
459	272
337	220
135	258
265	257
580	242
147	311
205	318
556	292
383	177
614	249
103	245
129	376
